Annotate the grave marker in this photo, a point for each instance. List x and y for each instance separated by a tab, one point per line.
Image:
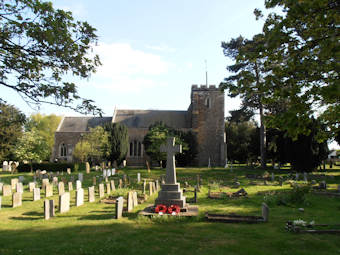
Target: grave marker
80	177
101	190
47	209
91	194
31	186
7	190
49	190
108	188
14	182
94	181
70	186
16	199
134	198
113	187
36	194
61	188
20	188
88	169
78	184
129	201
138	177
79	197
44	182
64	202
68	170
21	178
119	207
55	181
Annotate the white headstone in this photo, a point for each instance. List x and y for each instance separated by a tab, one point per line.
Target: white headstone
78	184
5	166
79	197
108	172
64	202
36	194
104	173
20	187
113	171
119	207
138	177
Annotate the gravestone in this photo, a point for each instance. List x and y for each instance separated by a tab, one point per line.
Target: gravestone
171	193
119	207
79	197
120	183
44	182
80	177
135	198
1	185
52	208
297	176
108	172
61	188
47	209
64	202
94	181
209	163
87	165
150	188
144	186
70	186
36	194
101	190
113	187
154	187
5	166
96	168
55	181
138	177
273	177
16	199
108	188
305	177
265	212
14	182
31	186
78	184
106	179
91	194
129	201
157	185
113	171
20	188
7	190
104	173
49	190
68	170
0	202
21	178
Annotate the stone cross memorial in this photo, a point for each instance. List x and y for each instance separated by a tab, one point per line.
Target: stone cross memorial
171	193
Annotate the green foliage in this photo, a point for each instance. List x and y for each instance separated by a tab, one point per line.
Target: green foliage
51	167
31	146
158	134
118	139
303	68
242	141
93	146
297	196
11	128
39	46
45	126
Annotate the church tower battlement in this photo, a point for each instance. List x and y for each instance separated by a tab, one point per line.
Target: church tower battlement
207	121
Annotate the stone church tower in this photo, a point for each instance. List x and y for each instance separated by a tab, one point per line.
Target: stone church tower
207	121
205	117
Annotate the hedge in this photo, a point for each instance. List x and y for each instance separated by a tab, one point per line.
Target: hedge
50	167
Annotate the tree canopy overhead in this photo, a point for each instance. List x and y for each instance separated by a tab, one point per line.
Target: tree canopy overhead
39	45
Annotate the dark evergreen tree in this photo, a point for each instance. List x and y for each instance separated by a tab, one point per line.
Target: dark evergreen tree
118	142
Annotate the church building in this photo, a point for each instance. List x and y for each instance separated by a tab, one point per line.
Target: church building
204	116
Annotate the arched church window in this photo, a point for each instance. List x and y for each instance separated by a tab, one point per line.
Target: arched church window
135	148
63	150
139	149
207	102
131	149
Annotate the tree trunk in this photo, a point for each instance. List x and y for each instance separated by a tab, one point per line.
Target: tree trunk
262	138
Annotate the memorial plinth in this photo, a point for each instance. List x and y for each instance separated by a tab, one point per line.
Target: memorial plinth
170	193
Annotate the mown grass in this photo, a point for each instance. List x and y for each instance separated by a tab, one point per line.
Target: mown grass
92	229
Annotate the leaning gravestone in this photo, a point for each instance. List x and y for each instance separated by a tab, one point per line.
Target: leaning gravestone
16	199
36	194
171	193
79	197
7	190
91	194
119	207
64	202
101	190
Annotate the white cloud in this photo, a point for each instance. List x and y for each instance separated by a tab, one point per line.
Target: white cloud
127	69
77	9
161	47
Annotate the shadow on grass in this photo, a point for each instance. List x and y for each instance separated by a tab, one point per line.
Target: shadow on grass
25	218
33	213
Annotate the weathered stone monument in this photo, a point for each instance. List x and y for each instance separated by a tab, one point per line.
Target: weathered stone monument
7	190
88	169
36	194
91	195
79	197
171	193
101	190
16	199
64	202
119	207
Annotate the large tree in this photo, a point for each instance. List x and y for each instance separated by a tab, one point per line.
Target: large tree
247	78
45	125
11	129
302	44
118	142
39	45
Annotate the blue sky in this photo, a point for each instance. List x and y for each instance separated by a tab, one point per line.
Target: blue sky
153	51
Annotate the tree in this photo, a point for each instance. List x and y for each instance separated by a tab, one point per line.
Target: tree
303	64
118	142
39	45
45	126
247	80
11	129
93	146
31	146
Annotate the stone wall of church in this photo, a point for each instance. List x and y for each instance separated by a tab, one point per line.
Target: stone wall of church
136	155
69	139
207	110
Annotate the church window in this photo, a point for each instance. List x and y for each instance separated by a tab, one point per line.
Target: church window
139	149
207	102
131	149
63	150
135	149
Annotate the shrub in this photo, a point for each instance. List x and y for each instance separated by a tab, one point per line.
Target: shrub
51	167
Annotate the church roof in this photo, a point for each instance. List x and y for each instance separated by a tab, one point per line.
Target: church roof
145	118
81	124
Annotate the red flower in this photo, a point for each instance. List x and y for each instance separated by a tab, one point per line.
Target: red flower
161	208
174	208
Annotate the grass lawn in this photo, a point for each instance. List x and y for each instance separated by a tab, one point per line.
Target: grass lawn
92	229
